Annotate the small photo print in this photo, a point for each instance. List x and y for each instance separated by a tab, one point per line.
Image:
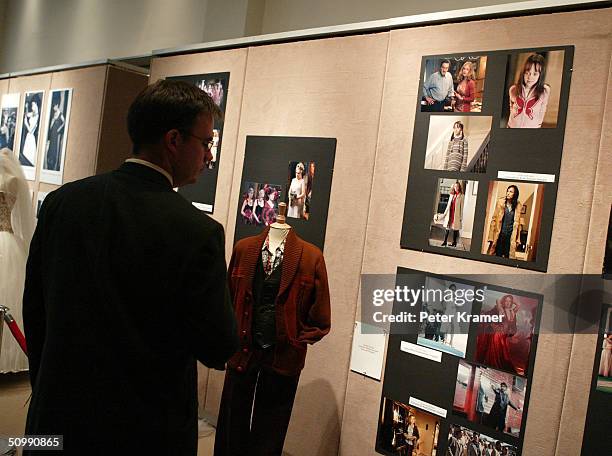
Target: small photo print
58	118
604	374
490	397
458	143
464	441
506	345
216	87
30	129
299	189
454	205
8	120
513	218
448	298
259	203
453	84
407	430
533	89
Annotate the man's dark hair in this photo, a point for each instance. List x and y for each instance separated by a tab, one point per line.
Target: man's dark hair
504	384
445	61
166	105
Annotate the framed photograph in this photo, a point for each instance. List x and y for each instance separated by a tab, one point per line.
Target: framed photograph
56	137
31	120
8	120
299	189
453	84
533	89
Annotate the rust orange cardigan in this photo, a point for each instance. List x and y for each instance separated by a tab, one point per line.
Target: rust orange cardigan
303	314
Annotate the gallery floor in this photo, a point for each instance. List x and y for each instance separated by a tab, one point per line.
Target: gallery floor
15	391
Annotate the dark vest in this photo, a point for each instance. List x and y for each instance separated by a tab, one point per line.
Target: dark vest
265	290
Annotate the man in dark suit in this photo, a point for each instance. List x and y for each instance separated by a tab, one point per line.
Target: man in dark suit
125	289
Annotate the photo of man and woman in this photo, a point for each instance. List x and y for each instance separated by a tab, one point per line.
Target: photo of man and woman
533	90
406	431
259	203
453	84
463	441
507	345
8	120
490	397
513	218
458	143
454	205
452	336
604	374
299	189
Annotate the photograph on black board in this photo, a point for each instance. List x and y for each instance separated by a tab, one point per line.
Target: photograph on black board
490	397
465	441
299	189
453	84
507	344
454	205
604	373
202	193
513	219
259	203
533	89
8	120
282	169
446	336
458	143
404	430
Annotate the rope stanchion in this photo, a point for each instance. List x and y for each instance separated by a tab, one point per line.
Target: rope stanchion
12	324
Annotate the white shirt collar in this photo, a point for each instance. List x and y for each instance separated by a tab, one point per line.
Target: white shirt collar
152	166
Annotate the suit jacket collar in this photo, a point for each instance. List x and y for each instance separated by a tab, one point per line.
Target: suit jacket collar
291	257
144	172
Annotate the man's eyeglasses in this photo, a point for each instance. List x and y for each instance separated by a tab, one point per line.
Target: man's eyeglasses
206	143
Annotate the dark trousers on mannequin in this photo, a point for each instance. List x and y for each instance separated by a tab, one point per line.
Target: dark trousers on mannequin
255	409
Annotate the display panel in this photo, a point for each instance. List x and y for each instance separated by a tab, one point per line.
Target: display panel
480	384
287	166
56	137
202	193
30	132
488	121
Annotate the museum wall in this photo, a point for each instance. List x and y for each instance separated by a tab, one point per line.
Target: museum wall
96	133
363	90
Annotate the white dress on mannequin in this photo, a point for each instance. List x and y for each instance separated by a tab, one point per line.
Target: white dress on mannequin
16	228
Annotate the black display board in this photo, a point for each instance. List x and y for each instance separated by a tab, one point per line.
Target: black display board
202	193
270	164
494	157
410	377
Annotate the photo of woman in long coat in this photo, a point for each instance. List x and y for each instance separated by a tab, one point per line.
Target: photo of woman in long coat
505	228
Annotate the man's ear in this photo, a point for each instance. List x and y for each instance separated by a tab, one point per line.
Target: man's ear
172	140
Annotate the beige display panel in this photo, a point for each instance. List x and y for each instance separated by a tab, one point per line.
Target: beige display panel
573	211
363	91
